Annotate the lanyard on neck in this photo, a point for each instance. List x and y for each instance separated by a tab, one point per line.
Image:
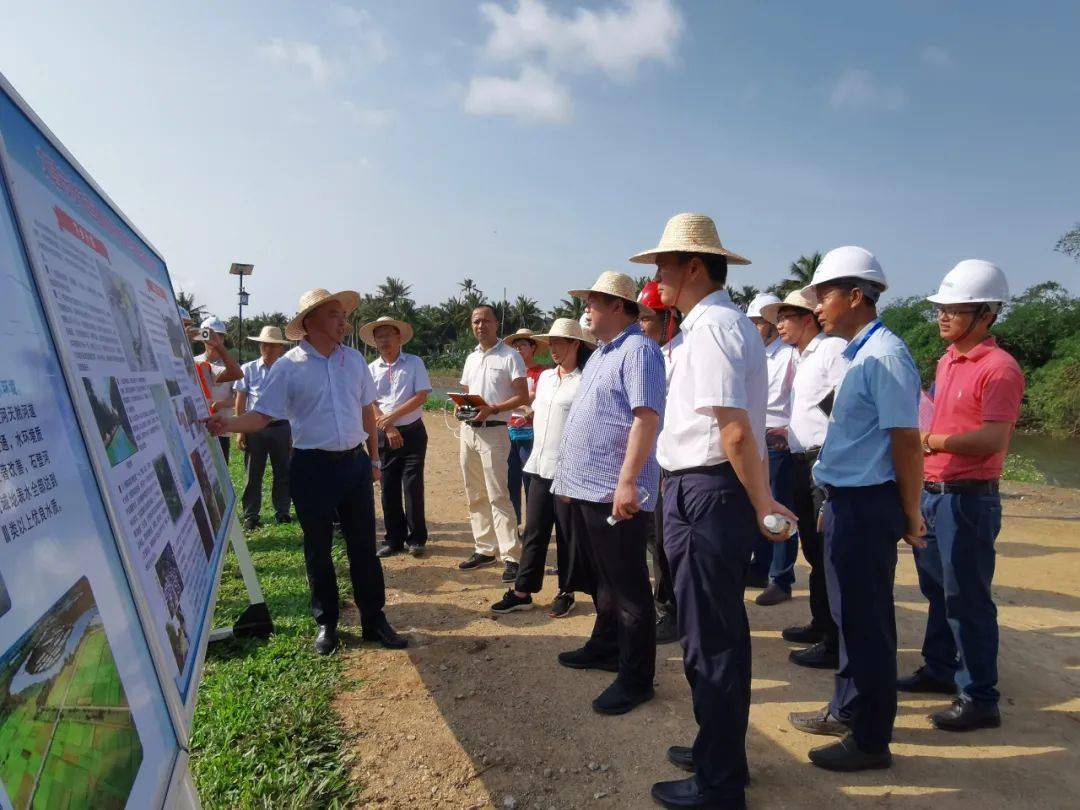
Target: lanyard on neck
864	338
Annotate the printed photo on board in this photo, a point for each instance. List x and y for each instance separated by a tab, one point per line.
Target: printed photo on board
172	588
169	426
168	487
111	418
206	534
5	597
134	340
67	735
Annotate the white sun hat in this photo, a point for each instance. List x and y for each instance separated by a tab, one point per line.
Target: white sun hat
973	281
689	233
270	334
795	298
565	328
760	301
316	298
618	285
850	261
367	331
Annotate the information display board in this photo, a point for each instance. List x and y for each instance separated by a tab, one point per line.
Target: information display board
109	301
83	719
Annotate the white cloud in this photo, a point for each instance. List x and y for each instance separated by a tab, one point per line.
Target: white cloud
368	117
369	44
534	96
858	88
306	56
614	40
936	56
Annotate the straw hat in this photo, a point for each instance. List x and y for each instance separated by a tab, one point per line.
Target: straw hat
689	233
270	334
367	331
619	285
566	328
795	298
520	334
316	298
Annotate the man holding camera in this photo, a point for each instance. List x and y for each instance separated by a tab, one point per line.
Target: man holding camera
218	371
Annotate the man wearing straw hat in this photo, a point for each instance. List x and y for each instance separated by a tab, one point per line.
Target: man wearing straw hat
606	481
274	441
326	392
402	387
716	501
495	372
819	367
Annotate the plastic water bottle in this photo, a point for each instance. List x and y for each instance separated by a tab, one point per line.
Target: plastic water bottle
642	496
778	524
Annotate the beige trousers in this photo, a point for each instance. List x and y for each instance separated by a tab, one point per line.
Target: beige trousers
483	455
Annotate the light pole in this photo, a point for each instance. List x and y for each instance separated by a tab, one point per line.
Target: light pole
241	270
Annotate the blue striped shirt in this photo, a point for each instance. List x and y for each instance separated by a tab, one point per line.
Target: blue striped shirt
624	374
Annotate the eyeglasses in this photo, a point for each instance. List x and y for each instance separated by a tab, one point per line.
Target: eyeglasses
953	312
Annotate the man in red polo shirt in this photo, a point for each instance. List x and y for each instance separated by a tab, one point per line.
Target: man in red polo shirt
976	397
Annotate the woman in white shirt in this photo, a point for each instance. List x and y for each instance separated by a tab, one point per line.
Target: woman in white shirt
570	347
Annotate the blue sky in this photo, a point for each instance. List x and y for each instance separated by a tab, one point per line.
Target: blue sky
530	145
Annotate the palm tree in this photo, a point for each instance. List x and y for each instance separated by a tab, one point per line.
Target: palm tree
395	293
568	308
187	301
525	313
641	281
801	273
743	296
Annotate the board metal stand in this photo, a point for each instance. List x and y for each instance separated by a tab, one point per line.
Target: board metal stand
255	621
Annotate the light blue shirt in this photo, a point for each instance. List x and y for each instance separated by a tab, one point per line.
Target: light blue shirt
880	391
253	381
622	375
322	397
399	381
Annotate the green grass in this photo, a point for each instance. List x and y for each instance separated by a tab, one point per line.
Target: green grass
265	732
1023	469
438	403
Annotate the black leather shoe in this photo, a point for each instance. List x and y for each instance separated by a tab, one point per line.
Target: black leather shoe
816	657
921	681
667	630
476	560
587	659
802	634
964	715
251	524
387	551
381	632
326	641
819	722
685	793
619	699
681	756
845	755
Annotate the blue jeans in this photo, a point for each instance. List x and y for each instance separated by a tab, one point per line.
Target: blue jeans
778	559
520	450
955	572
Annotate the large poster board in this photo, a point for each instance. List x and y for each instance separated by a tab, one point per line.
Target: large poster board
83	719
110	304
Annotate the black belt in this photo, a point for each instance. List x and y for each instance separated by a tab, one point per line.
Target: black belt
277	423
334	455
968	487
805	454
488	423
722	470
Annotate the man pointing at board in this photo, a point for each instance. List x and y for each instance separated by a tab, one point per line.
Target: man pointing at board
326	392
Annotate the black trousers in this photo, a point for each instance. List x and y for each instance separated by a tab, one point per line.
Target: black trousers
324	488
710	533
403	482
618	580
862	527
663	585
274	442
540	519
224	442
808	501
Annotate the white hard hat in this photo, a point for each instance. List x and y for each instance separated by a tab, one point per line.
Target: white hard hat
972	281
849	261
215	324
760	300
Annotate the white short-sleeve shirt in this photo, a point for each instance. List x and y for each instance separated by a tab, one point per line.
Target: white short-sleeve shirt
716	361
255	374
491	374
554	395
322	397
399	381
780	361
819	368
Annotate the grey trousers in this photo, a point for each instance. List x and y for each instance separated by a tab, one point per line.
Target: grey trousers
274	442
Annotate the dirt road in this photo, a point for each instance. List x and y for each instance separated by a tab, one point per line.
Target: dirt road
477	713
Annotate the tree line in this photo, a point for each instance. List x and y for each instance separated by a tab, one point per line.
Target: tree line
1040	327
